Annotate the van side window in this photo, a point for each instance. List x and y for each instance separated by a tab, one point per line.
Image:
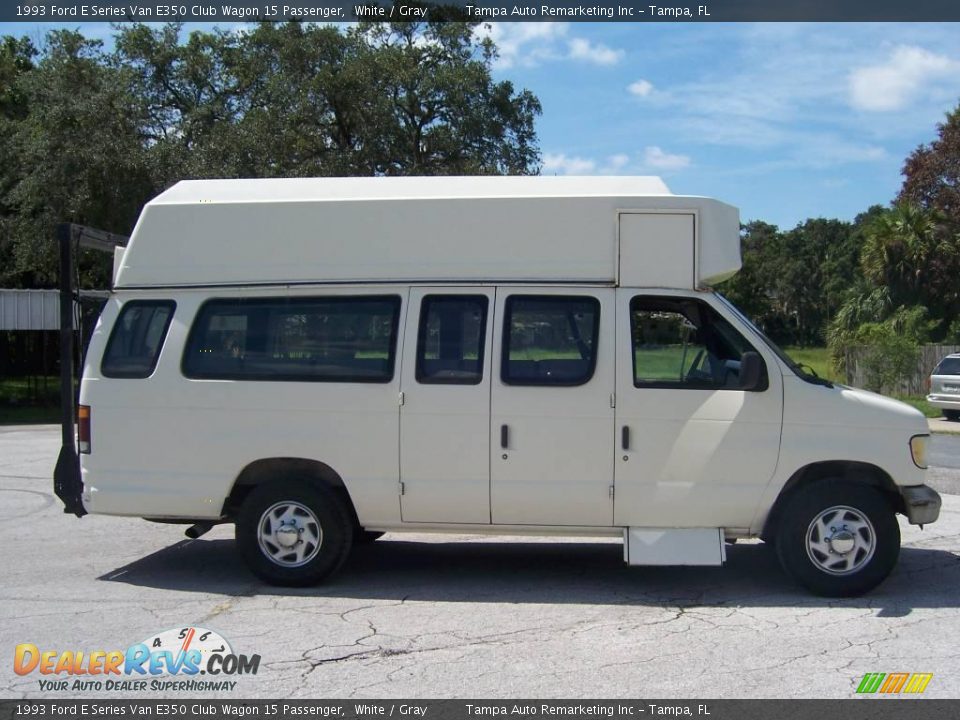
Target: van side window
312	339
684	343
136	339
550	339
450	339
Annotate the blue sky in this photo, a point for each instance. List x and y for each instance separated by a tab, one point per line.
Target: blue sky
786	121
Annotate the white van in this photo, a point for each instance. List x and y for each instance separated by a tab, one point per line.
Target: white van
320	361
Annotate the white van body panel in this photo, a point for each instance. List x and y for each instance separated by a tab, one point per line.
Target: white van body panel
668	237
410	229
822	424
173	447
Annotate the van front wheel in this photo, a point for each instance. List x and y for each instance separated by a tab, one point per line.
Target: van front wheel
293	533
838	539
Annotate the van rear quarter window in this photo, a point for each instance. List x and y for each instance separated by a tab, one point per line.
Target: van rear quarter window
136	339
307	339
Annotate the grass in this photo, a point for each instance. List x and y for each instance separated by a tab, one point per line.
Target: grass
666	363
819	359
816	357
29	415
921	404
23	402
21	391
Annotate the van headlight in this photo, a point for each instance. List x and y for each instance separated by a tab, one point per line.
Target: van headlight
918	450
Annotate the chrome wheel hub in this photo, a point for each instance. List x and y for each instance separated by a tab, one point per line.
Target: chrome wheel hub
841	540
289	534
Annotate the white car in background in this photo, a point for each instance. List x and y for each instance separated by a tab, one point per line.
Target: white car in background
945	387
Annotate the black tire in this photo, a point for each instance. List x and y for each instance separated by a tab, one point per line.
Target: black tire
334	531
951	414
365	537
819	571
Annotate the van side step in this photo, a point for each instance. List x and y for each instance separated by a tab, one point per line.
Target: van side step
674	546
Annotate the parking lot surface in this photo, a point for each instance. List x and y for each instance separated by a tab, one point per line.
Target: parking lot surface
457	616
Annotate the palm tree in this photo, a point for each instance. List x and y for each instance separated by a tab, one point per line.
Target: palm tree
907	249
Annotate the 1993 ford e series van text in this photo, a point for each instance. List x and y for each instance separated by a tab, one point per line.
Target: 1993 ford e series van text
323	360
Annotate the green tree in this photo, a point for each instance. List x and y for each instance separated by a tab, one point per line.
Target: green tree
932	173
293	99
816	264
751	289
888	356
912	253
89	136
792	283
907	294
16	59
78	156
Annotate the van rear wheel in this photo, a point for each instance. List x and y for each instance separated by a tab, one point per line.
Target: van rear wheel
293	533
838	539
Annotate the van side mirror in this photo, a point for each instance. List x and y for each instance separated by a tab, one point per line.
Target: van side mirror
751	372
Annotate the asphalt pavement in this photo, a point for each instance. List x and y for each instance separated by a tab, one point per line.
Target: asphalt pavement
458	616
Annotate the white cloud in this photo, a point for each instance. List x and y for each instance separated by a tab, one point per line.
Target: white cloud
529	44
896	82
561	164
523	44
656	159
783	95
835	183
640	88
615	163
596	53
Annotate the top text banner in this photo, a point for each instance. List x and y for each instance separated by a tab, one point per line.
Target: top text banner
483	10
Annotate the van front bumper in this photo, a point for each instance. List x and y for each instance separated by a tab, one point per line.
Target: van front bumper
921	504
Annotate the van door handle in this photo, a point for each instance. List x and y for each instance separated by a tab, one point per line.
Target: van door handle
625	437
504	436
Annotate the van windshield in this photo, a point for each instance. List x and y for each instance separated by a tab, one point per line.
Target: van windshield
798	370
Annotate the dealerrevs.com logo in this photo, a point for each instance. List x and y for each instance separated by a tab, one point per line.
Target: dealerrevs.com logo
186	659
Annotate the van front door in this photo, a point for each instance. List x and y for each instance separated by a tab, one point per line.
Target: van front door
445	407
551	419
694	447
